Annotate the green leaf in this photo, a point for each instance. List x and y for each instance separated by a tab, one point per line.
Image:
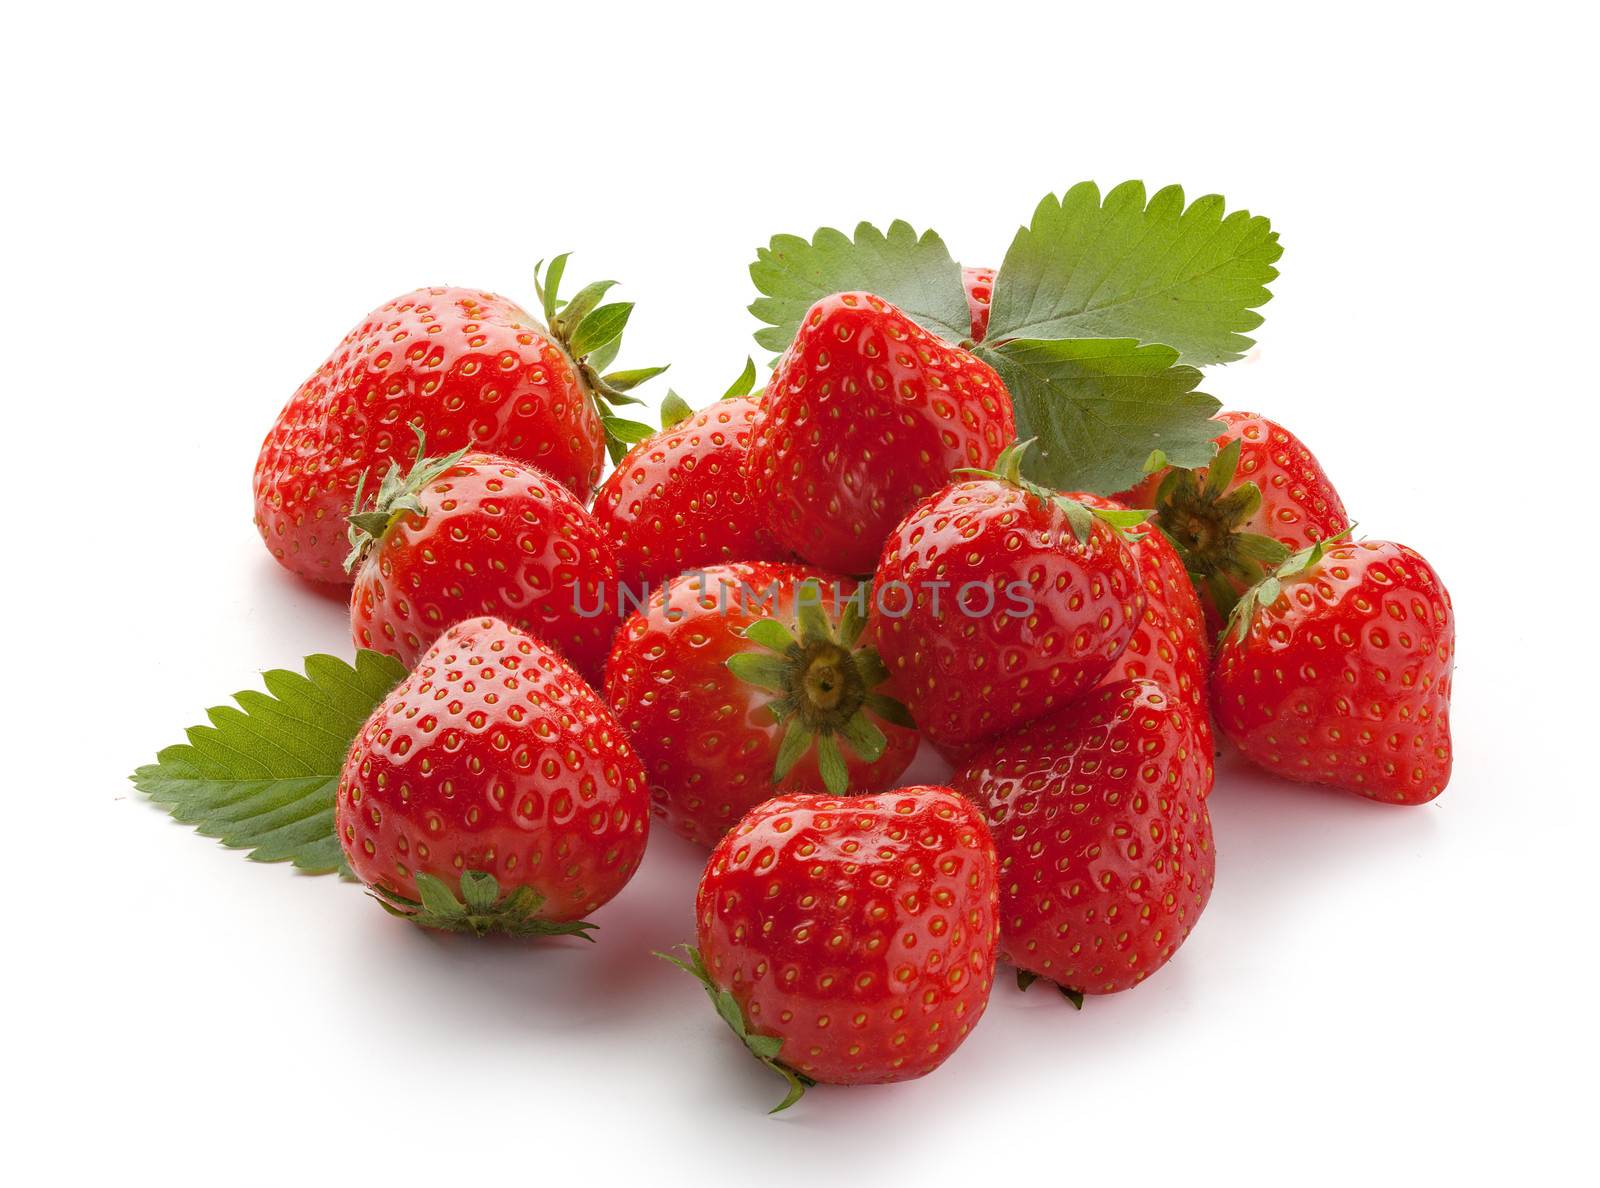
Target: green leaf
262	777
1099	407
1190	278
864	737
601	327
912	272
674	409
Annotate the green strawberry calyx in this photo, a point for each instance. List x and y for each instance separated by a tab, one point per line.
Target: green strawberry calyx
398	495
1267	591
1080	516
480	910
675	409
1203	520
591	333
764	1048
826	686
1026	978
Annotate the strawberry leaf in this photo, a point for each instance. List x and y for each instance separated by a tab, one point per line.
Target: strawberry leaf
261	777
912	272
1100	407
1123	268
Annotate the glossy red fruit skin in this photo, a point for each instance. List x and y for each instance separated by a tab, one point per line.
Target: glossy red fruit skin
679	500
706	738
866	414
496	537
494	755
859	930
979	284
471	368
966	677
1169	645
1299	505
1099	817
1345	678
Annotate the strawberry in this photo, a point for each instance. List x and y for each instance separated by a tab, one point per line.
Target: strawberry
997	601
850	941
1262	497
866	414
679	500
979	284
1099	817
1336	670
743	679
473	534
471	369
492	771
1169	645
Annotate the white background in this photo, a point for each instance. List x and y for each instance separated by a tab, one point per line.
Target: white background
199	203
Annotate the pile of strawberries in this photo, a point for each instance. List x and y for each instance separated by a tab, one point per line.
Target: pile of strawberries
749	627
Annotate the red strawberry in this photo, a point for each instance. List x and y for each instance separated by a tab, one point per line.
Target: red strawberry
865	415
477	535
850	941
679	500
979	283
1099	817
1169	645
1336	670
1263	497
492	768
471	369
744	679
997	601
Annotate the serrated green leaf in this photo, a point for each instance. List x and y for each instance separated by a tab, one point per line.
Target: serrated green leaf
1158	272
910	271
1098	407
601	327
262	777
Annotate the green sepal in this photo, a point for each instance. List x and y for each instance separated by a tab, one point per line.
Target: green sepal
398	495
674	410
479	911
761	669
626	381
1265	592
1080	516
548	286
764	1048
746	382
591	334
622	434
810	721
601	327
797	740
1026	979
